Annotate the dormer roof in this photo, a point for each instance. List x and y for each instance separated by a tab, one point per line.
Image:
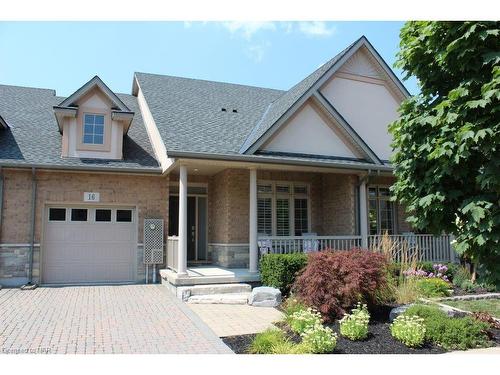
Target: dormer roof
68	107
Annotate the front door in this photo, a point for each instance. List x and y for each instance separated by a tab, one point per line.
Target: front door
191	229
196	225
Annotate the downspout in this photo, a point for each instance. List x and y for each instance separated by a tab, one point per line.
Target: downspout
30	284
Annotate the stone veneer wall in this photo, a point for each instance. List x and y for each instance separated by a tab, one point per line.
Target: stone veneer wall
148	193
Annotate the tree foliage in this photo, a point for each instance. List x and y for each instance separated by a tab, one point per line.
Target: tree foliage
447	139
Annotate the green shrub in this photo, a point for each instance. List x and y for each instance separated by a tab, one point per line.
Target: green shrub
301	320
292	305
409	329
354	326
319	339
450	333
433	287
459	333
264	342
280	270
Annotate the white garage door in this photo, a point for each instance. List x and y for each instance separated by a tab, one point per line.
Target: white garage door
89	245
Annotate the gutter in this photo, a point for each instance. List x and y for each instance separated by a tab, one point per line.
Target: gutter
268	160
30	284
156	170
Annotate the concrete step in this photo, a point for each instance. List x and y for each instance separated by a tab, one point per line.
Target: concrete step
185	292
223	298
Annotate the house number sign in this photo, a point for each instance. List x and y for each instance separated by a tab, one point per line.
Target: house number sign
90	196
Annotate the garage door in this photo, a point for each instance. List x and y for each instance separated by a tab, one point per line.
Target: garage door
89	245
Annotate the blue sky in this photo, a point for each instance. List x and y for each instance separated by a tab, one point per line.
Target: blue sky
64	55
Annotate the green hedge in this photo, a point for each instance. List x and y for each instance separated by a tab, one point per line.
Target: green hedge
280	270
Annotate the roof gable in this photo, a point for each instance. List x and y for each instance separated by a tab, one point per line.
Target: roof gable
71	100
310	131
284	107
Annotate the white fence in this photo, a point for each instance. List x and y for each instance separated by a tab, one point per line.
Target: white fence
428	247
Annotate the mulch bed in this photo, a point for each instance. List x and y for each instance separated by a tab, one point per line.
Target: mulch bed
379	340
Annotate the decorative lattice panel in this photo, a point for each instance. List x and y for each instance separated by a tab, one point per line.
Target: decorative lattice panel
153	241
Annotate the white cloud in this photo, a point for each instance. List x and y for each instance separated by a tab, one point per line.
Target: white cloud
248	29
316	28
256	51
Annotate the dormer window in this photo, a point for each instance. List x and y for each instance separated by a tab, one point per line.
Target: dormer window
93	129
93	122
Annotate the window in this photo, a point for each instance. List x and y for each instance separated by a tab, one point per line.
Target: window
282	209
124	216
380	211
282	217
102	215
264	216
57	214
93	129
78	214
301	216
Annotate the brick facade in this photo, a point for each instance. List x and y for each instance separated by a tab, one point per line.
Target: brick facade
332	204
148	193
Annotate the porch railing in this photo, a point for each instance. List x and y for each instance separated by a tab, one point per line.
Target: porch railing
172	252
298	244
426	247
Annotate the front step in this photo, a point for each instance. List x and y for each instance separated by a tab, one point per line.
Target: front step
220	299
186	292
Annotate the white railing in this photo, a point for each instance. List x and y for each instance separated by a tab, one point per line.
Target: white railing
172	252
426	247
299	244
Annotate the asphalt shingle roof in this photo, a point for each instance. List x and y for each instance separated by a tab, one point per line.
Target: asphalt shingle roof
33	138
188	112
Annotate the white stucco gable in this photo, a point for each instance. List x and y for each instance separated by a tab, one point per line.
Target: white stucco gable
310	132
363	95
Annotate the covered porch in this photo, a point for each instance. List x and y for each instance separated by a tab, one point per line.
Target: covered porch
224	215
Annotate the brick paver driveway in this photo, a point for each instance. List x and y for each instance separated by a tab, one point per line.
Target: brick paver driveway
101	319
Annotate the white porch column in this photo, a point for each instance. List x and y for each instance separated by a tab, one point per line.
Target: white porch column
363	215
253	251
182	256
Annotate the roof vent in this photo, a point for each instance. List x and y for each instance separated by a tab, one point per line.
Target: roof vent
223	110
235	111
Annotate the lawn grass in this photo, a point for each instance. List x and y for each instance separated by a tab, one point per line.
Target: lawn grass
491	306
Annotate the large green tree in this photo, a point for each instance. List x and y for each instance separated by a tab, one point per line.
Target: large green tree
447	139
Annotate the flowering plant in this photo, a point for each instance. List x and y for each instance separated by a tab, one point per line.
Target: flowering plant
301	320
439	272
355	325
319	339
410	330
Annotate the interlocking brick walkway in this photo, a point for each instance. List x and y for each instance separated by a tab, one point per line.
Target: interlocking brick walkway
101	319
232	320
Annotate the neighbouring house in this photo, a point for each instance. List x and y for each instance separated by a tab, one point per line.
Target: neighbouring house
232	171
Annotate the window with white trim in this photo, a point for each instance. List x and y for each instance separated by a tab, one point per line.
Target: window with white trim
93	129
282	208
380	210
